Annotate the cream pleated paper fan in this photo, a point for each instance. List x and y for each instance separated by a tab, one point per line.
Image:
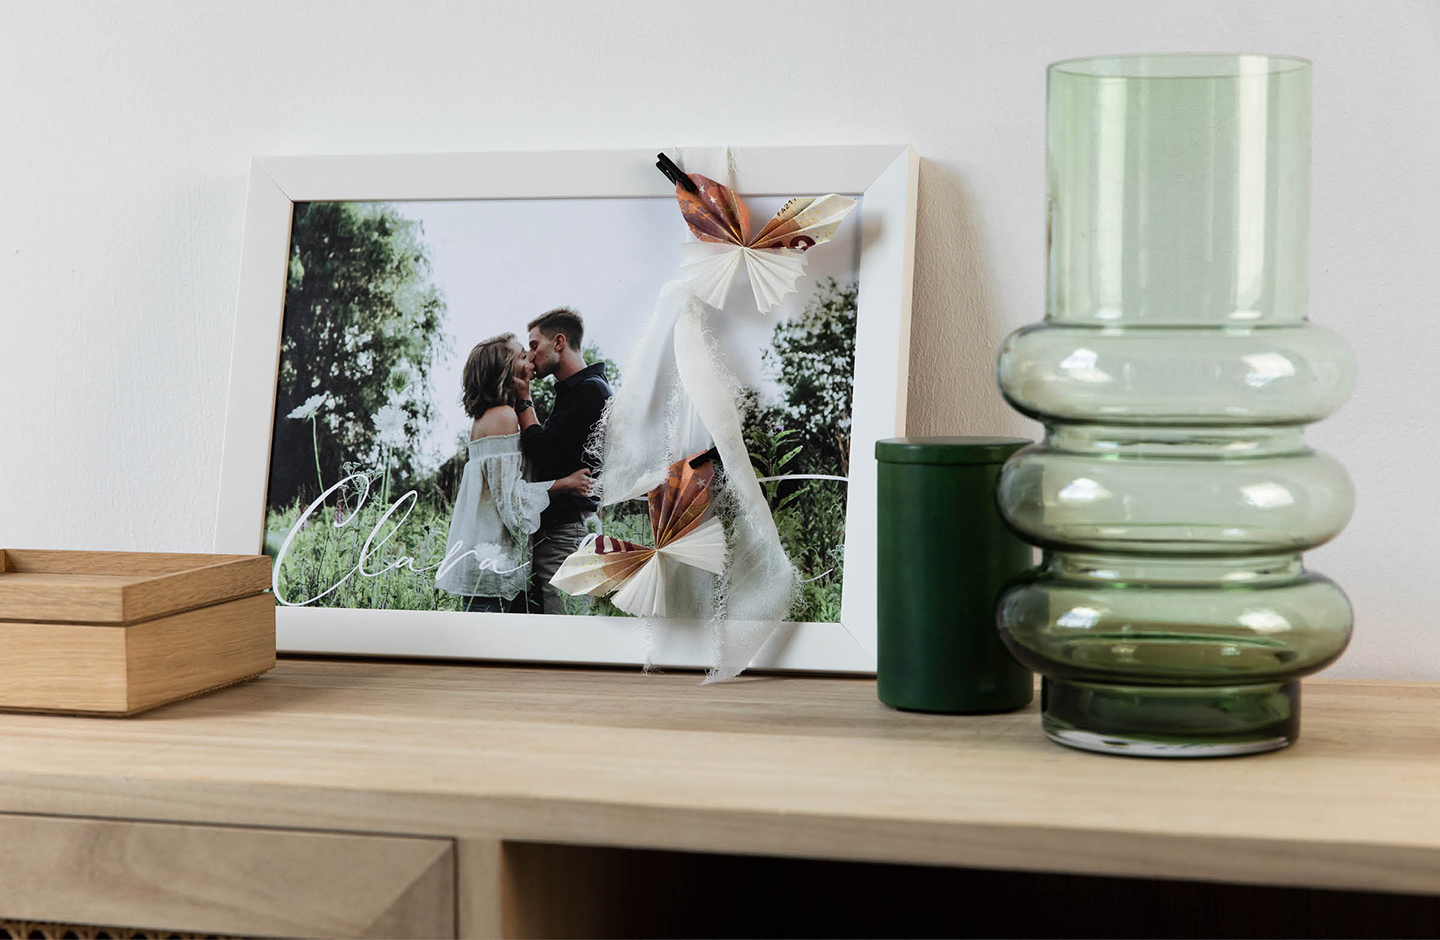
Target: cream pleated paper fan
703	547
645	593
641	576
711	269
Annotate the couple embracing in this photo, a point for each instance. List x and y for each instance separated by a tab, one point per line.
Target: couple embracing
526	493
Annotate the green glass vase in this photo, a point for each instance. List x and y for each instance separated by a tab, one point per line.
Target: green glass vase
1174	372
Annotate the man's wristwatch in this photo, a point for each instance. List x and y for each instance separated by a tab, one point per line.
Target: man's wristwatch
522	404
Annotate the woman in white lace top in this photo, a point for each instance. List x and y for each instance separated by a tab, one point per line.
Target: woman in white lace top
497	510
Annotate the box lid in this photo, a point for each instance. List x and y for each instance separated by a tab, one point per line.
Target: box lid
948	450
121	587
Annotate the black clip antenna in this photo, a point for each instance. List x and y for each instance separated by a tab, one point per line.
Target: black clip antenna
674	174
699	460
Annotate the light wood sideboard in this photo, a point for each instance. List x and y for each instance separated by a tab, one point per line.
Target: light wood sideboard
367	798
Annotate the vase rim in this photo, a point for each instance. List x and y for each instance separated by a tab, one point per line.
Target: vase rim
1179	65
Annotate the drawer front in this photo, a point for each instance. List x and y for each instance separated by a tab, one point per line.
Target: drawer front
225	880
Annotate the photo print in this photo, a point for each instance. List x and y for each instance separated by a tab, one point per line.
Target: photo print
444	371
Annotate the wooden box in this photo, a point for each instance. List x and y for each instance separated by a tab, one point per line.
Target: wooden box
114	633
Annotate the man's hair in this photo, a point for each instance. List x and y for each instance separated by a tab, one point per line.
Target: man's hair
487	376
561	320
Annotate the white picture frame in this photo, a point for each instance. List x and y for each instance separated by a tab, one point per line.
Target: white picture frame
887	177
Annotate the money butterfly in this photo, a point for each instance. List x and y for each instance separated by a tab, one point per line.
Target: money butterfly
685	531
774	257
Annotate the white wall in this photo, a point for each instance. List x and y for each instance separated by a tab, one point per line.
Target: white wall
128	128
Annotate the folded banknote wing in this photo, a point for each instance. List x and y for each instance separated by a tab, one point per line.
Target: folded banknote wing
713	212
804	222
677	504
600	565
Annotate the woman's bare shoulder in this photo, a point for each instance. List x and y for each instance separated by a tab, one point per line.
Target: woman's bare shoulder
500	419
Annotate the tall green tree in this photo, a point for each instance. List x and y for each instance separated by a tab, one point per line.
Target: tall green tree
363	329
813	359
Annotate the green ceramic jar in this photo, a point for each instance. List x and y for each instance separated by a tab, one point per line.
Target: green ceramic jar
945	556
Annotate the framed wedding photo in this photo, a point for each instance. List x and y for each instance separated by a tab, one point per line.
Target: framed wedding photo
417	334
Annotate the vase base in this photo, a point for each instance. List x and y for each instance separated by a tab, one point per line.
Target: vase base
1174	721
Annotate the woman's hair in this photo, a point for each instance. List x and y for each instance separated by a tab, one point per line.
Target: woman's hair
489	375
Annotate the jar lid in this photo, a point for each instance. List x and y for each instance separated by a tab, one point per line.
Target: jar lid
948	450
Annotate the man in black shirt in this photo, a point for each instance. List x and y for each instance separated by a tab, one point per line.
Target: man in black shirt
557	448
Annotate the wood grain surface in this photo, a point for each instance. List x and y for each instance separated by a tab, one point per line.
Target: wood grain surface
225	880
119	670
174	657
808	767
121	587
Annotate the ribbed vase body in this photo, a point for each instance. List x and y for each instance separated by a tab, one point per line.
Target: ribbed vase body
1174	372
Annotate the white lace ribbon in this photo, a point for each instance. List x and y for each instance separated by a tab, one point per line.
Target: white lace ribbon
677	399
759	581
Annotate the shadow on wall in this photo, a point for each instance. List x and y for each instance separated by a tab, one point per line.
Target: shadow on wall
955	329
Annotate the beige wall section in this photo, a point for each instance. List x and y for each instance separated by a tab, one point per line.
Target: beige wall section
120	236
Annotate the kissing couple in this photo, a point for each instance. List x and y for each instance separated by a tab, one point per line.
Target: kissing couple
527	491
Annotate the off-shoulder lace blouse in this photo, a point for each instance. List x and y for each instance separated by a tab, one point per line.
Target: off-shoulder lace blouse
496	514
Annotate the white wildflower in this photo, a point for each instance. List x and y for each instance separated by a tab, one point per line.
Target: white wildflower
390	426
312	405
